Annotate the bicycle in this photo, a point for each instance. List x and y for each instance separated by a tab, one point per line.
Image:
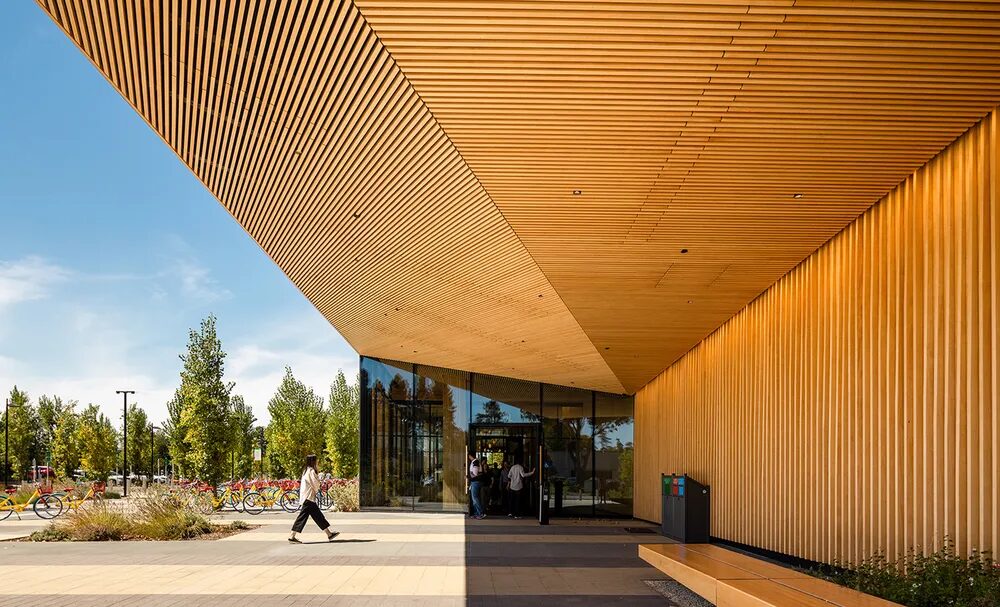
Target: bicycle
265	495
46	510
67	502
324	497
208	500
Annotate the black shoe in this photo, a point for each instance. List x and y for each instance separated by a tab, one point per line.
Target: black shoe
332	536
294	540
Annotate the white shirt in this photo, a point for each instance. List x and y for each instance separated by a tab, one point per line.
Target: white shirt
309	485
517	475
473	469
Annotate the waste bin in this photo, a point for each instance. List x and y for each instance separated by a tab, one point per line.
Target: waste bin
684	509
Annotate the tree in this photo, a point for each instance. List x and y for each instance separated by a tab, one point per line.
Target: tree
244	438
49	409
65	448
23	439
296	428
343	427
138	440
492	414
200	411
98	443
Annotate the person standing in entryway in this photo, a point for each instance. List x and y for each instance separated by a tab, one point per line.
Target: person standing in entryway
518	491
308	488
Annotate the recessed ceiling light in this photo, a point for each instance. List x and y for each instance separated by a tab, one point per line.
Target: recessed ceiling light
577	192
683	251
357	214
690	301
798	195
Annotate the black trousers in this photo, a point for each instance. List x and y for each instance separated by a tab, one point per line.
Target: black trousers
306	510
517	501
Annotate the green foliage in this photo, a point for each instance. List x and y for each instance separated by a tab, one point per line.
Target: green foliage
296	428
97	442
244	439
49	411
23	439
919	580
343	428
138	440
153	519
239	525
111	495
200	410
65	446
50	534
625	462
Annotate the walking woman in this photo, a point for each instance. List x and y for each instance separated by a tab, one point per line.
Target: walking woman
308	488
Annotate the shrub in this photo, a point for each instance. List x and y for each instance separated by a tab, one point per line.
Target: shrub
159	519
49	534
112	495
154	519
239	525
96	523
345	495
918	580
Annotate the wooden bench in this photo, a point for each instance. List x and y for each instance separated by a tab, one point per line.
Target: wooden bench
729	579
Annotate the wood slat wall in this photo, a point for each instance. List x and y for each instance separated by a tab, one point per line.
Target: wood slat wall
853	407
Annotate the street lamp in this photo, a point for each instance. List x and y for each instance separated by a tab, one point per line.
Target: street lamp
152	455
125	394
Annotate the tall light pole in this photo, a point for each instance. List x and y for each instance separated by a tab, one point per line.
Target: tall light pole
152	454
125	394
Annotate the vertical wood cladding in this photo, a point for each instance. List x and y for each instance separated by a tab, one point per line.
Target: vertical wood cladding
853	407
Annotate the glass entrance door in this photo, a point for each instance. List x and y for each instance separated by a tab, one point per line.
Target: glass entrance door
495	444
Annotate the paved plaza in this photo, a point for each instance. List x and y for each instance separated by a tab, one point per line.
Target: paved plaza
383	559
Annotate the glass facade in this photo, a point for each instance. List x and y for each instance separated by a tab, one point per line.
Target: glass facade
418	423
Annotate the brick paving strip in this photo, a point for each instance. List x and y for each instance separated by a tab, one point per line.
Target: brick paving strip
382	559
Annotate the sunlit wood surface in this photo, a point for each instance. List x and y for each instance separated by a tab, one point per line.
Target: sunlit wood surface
854	407
411	166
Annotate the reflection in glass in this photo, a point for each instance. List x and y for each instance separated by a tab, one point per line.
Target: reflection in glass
444	397
419	422
501	400
387	407
613	454
569	449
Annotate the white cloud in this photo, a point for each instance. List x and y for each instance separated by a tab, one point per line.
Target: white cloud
26	279
196	282
192	278
308	344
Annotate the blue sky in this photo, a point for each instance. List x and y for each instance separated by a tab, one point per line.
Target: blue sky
110	249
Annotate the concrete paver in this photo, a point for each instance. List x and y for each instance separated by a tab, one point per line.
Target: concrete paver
385	559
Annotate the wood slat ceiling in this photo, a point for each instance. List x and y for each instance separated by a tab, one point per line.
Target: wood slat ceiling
689	125
415	181
297	119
